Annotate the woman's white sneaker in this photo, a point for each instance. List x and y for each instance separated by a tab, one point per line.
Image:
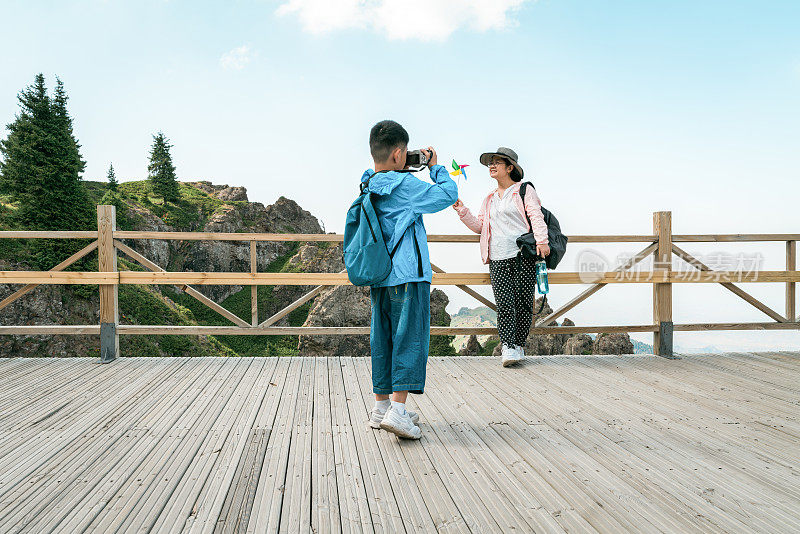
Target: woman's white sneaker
510	354
376	416
400	425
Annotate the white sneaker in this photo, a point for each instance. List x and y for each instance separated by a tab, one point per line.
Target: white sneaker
376	416
400	425
510	355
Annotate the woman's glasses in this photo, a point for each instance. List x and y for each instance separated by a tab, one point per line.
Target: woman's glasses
496	163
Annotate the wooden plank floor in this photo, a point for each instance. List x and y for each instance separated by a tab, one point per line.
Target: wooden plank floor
707	443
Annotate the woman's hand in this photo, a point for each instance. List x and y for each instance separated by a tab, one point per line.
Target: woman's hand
543	250
458	205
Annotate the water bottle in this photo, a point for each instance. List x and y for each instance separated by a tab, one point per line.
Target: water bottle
541	277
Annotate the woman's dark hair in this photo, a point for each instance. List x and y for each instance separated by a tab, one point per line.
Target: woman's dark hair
515	175
385	137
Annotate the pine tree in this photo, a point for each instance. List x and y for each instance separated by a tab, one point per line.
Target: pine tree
112	178
41	165
161	171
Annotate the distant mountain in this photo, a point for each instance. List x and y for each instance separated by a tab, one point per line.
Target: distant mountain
482	316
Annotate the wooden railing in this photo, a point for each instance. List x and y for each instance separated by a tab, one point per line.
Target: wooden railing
660	244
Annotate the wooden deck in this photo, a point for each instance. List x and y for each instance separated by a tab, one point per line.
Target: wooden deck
708	443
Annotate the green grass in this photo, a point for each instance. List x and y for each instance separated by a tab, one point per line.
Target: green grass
192	211
141	305
239	304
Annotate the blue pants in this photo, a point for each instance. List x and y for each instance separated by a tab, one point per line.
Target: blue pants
399	337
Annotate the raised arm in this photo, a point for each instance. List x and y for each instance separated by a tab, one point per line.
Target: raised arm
470	221
430	198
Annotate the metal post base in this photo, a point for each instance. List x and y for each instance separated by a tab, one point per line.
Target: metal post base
665	340
108	342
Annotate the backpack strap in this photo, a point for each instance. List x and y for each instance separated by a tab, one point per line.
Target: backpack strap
523	186
397	245
364	187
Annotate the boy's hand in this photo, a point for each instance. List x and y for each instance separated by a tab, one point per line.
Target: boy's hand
431	153
458	204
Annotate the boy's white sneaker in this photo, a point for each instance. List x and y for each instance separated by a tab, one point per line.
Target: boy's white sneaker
400	425
377	415
510	355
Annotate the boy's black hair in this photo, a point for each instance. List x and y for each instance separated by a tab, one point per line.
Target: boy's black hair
385	137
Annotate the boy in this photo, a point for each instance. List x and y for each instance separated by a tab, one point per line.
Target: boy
400	329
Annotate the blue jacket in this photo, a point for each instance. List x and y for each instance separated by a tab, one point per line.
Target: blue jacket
401	200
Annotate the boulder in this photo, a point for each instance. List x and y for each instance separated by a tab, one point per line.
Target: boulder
234	256
578	344
350	306
311	258
619	343
439	302
472	348
233	194
222	192
336	307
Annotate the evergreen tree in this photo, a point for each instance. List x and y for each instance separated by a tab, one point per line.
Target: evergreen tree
112	178
41	165
161	171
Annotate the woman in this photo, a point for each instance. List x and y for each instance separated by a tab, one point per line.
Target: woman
500	221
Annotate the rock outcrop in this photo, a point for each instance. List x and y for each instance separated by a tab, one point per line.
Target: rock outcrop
350	306
472	348
578	344
618	343
284	216
336	307
221	192
47	304
550	344
212	208
310	258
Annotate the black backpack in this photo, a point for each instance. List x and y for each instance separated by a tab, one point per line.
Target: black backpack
557	240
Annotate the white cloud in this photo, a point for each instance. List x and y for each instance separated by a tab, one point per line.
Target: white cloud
236	59
426	20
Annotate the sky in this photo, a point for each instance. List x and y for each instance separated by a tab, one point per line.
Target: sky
617	109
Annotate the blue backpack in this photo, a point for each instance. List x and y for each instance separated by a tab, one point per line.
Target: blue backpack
366	256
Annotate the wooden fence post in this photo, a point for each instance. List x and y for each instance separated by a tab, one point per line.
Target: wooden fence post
253	289
662	292
109	294
791	265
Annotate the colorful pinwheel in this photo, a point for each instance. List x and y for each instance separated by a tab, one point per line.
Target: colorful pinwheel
458	170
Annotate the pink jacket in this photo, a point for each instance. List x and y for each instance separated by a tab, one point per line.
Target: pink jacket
482	225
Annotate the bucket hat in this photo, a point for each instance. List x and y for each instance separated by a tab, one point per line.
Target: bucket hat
503	152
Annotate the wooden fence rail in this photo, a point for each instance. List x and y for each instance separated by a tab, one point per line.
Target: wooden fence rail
661	246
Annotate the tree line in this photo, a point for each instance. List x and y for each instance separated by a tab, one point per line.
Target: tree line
41	166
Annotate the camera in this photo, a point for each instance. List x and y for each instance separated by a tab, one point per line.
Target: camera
416	160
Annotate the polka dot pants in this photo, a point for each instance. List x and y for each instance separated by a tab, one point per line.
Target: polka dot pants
514	284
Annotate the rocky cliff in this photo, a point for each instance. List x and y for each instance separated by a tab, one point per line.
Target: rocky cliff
203	207
220	208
